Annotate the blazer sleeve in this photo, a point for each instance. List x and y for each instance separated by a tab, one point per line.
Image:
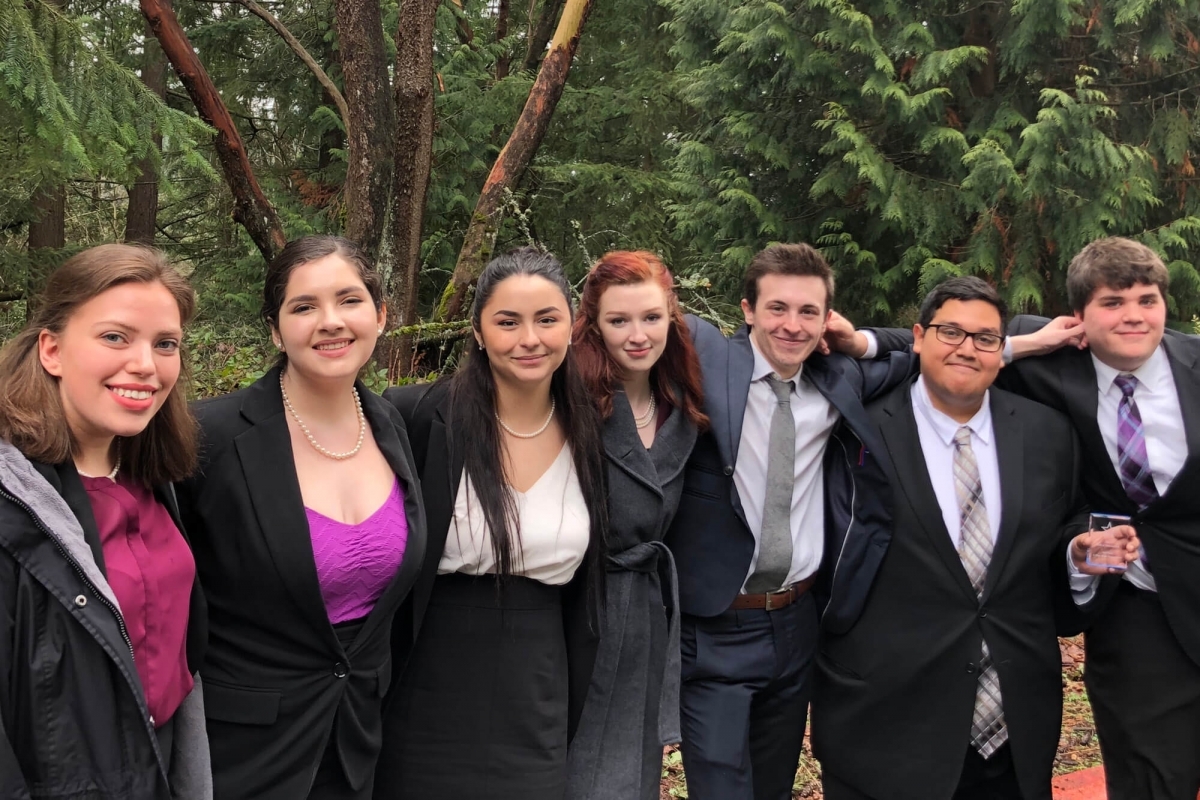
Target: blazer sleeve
889	340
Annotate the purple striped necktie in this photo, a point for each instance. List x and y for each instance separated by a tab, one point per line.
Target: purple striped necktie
1134	465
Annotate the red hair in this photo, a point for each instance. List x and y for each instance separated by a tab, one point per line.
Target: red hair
676	375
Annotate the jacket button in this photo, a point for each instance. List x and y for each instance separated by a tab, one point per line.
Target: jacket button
728	470
339	670
983	613
80	601
970	668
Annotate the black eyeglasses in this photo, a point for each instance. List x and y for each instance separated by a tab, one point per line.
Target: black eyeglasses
954	335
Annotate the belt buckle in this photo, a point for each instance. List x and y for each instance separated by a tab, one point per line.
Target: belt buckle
769	595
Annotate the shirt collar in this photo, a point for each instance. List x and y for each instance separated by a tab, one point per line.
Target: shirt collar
763	368
945	426
1149	374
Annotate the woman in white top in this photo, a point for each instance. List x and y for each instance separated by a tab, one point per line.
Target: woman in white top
507	618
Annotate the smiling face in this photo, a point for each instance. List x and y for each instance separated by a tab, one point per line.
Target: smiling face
1124	327
787	320
327	324
958	376
525	326
634	324
117	360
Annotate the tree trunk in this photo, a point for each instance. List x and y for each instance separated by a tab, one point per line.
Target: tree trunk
251	207
47	238
510	165
371	122
502	63
539	33
142	214
414	159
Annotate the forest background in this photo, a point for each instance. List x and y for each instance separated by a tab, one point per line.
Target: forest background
909	140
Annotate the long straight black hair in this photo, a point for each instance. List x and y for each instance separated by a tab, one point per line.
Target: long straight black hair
473	400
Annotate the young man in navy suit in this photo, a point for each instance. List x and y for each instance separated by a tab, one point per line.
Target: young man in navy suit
749	536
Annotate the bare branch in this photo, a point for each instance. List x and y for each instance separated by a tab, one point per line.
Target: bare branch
326	82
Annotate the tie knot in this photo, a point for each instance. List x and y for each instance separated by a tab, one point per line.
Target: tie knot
782	388
963	437
1126	383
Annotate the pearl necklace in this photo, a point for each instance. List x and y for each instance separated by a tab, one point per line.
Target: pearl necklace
538	432
362	425
112	476
648	417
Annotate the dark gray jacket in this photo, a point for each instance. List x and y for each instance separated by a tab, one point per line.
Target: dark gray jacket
73	716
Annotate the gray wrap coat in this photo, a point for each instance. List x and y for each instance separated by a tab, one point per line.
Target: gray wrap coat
632	706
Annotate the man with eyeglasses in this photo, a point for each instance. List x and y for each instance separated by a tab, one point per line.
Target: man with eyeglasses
938	672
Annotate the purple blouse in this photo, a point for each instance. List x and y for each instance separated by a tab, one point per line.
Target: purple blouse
355	563
151	571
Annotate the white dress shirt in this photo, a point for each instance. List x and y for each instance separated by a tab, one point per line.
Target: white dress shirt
1162	422
814	417
937	431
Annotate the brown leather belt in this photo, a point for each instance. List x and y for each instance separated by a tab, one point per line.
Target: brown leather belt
772	601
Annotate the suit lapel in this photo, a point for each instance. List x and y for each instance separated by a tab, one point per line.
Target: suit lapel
378	413
1010	456
265	453
672	445
1184	356
1078	385
904	449
624	446
738	375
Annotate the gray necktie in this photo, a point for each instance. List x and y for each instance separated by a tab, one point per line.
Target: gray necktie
988	729
775	540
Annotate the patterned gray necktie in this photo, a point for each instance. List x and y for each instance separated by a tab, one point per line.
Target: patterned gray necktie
988	730
775	539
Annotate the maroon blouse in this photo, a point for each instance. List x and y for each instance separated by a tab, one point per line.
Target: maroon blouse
151	570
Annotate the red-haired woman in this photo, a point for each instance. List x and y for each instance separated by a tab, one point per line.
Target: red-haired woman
635	352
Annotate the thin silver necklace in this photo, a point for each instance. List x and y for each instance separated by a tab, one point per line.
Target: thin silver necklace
362	425
538	432
112	476
648	417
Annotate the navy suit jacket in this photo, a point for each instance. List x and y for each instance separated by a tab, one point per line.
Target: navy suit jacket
712	544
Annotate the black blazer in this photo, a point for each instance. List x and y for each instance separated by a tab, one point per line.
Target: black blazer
894	693
277	682
1170	526
709	537
439	459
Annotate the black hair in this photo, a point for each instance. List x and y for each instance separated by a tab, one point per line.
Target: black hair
963	288
473	400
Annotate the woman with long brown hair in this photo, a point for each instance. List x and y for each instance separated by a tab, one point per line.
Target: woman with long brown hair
635	352
102	623
512	476
309	534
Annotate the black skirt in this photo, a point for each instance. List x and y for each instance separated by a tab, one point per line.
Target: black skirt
481	708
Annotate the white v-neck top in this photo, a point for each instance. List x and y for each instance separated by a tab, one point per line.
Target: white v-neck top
553	521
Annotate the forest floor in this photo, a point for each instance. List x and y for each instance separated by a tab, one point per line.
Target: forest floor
1078	747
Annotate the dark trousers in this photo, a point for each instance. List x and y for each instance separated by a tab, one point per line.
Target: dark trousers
990	779
1145	694
747	679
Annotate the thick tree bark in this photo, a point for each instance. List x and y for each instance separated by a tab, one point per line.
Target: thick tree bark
371	120
502	63
47	237
414	159
510	165
251	207
539	33
141	215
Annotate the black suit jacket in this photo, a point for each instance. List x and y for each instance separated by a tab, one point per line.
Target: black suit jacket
277	682
439	460
895	691
710	539
1170	526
